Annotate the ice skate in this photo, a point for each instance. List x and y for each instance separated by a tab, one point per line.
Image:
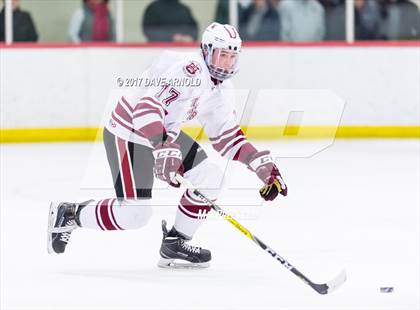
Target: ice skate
63	218
176	253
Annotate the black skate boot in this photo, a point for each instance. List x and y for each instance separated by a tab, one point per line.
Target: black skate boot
62	220
176	253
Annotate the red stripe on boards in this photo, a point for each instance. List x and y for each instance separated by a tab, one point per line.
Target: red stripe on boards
246	44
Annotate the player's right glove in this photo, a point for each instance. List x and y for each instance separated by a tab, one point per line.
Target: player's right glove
265	168
168	162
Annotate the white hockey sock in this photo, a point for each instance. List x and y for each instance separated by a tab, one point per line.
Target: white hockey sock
112	214
191	214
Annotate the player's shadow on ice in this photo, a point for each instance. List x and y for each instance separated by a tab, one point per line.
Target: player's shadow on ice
158	275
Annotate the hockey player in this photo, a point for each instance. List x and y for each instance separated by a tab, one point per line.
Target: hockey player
143	139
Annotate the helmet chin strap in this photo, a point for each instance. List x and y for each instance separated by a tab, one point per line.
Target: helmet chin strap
216	81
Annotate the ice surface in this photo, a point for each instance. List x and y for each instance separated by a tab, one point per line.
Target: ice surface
355	205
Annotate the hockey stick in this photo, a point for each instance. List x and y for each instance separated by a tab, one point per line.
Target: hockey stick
323	289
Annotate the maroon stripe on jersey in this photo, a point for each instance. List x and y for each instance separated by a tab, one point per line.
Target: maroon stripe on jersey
172	136
106	220
115	118
140	114
120	111
244	153
152	100
97	215
111	211
224	133
127	104
232	145
220	145
152	129
125	126
146	106
125	170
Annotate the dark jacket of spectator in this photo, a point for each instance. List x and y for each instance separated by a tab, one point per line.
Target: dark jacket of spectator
331	3
23	26
222	11
368	19
401	20
335	21
169	20
260	21
92	22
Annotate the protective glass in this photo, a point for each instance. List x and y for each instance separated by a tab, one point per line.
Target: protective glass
223	63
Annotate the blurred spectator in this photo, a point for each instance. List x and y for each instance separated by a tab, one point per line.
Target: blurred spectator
169	20
302	20
260	21
331	3
416	3
367	17
402	20
222	10
23	26
92	22
335	19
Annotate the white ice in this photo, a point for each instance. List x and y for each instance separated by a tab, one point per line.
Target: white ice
354	205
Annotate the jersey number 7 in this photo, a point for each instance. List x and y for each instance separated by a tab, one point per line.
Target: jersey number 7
168	93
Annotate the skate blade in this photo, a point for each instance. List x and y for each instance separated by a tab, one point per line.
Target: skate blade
52	216
59	230
171	263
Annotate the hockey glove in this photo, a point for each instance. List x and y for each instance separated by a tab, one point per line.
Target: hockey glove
262	164
168	162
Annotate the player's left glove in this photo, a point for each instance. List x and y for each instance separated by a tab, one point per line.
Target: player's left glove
265	168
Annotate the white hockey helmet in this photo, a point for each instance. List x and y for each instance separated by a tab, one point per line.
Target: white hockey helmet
221	46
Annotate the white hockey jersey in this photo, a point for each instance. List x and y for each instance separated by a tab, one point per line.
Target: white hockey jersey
178	88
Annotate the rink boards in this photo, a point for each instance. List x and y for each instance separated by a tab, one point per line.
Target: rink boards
59	93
